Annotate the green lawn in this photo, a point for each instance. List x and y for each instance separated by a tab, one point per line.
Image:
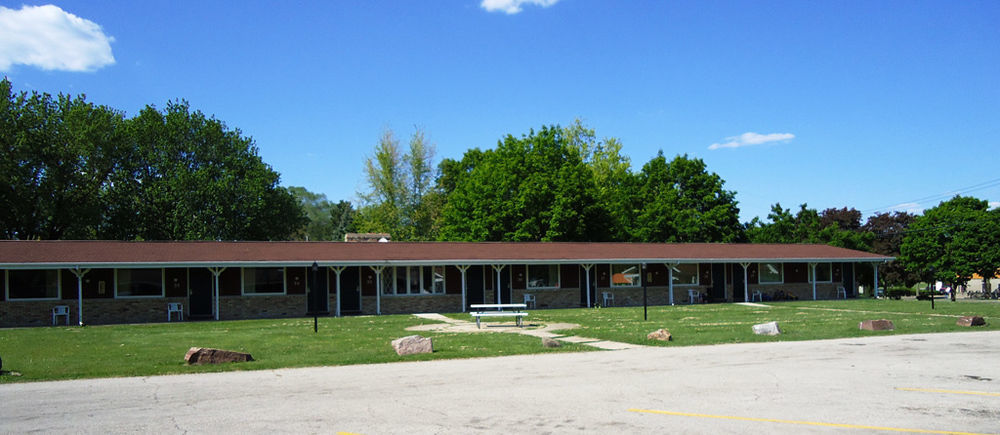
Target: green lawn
52	353
801	320
138	350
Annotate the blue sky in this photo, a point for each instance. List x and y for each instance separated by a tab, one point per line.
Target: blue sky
876	105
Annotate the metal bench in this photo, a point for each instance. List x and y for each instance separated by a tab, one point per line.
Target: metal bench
512	310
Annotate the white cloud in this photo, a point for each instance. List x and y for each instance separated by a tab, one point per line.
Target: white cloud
751	138
511	7
994	204
50	38
909	207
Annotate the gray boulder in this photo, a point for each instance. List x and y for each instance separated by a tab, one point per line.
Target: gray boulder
769	328
412	344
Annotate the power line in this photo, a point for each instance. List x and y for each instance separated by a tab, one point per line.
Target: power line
941	196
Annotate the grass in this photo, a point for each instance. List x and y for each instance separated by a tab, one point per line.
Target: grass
53	353
800	320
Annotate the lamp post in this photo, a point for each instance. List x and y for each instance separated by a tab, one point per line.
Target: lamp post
930	293
313	294
642	276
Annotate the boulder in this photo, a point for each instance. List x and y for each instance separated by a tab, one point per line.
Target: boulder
877	325
769	328
548	342
207	355
971	321
659	334
412	344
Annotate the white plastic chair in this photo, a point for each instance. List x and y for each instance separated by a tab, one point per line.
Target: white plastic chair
60	310
694	296
529	300
757	296
609	299
175	307
841	291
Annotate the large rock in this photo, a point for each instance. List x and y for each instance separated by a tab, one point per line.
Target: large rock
207	355
769	328
971	321
877	325
659	334
548	342
412	344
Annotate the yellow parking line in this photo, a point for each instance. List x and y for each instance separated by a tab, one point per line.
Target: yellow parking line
930	390
808	423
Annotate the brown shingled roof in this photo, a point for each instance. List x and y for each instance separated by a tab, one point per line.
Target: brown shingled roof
114	253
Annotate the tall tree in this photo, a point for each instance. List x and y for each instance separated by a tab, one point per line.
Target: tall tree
533	188
398	185
56	159
189	177
952	241
680	201
342	219
319	212
888	230
832	227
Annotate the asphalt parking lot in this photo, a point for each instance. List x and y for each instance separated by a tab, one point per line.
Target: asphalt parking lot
934	383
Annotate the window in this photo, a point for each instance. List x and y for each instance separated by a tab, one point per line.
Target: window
685	274
771	273
413	280
138	282
263	280
626	275
824	272
543	276
33	284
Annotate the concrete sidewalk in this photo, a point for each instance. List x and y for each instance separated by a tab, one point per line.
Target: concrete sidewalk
545	331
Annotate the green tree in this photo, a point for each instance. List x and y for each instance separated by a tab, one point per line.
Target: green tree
398	188
56	159
342	220
952	241
835	227
533	188
320	213
888	230
680	201
189	177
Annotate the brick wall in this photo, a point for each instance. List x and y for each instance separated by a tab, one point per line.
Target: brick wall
95	311
261	307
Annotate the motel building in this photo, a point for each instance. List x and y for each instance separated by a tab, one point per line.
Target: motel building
104	282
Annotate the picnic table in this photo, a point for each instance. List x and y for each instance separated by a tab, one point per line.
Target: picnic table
499	310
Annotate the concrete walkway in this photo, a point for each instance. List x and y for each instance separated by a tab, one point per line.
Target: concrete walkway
545	331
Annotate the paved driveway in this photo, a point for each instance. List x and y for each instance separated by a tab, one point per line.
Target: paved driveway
937	382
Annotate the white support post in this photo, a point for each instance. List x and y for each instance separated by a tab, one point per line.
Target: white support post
746	283
378	288
586	268
337	270
812	266
670	280
79	291
498	268
463	269
216	271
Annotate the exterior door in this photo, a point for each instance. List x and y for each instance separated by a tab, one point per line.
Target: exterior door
200	282
737	275
718	282
318	299
847	272
350	290
474	293
505	285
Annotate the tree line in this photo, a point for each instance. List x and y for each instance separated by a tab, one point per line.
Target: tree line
76	170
